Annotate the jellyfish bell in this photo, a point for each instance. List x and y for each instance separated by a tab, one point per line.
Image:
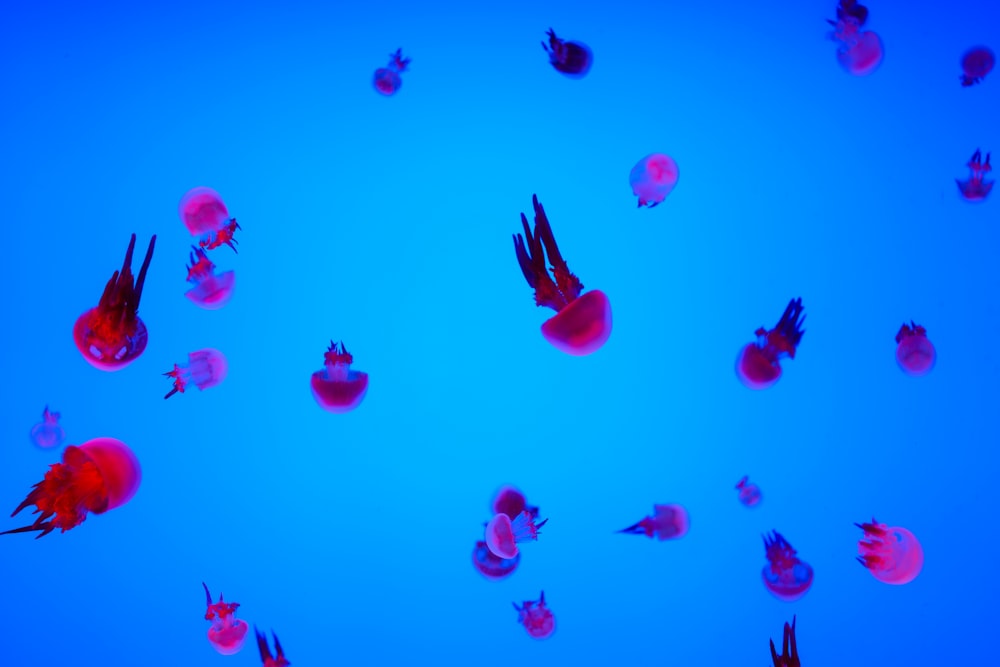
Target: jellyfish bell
862	54
915	354
48	433
202	211
786	576
582	326
503	534
755	369
892	554
214	291
490	565
227	633
976	64
336	387
573	59
510	501
387	81
653	178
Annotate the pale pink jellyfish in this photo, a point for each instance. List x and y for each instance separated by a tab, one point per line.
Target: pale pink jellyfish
749	493
653	178
202	211
205	368
48	433
892	554
914	352
336	387
227	633
860	51
536	618
211	290
502	534
669	522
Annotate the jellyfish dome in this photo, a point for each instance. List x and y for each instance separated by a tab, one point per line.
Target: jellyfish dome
653	178
202	211
502	534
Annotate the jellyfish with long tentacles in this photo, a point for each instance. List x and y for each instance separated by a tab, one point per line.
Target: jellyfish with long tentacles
570	58
336	387
892	554
915	354
536	618
789	651
205	368
48	433
668	522
786	576
268	660
976	188
211	290
227	633
758	365
977	62
387	80
503	534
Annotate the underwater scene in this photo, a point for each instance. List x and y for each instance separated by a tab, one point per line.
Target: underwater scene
526	333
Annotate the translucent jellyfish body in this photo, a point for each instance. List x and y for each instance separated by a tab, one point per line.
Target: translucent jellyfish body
227	633
914	352
668	522
490	565
205	368
510	501
758	365
748	492
859	51
785	576
211	290
977	62
503	534
387	80
570	58
48	433
202	211
976	188
892	554
536	618
653	178
336	387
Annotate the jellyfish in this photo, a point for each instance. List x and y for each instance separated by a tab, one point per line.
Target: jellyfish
97	476
206	368
111	335
582	324
652	178
336	387
860	51
669	522
976	187
48	433
787	577
749	493
267	659
202	211
222	236
387	80
789	651
211	291
914	353
490	565
892	554
758	364
508	500
536	618
976	63
571	58
503	534
227	633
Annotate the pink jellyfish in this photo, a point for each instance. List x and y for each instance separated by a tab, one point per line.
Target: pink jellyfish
206	368
387	80
536	618
48	433
571	58
503	534
652	178
202	211
976	63
490	565
211	291
582	324
268	660
789	651
758	365
892	554
227	633
669	522
336	387
787	577
508	500
860	51
749	493
222	236
976	187
914	353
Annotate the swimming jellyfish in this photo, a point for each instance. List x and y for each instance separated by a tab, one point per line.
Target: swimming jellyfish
914	353
110	336
582	324
490	565
892	554
976	63
48	433
758	365
336	387
787	577
227	633
206	368
503	534
669	522
571	58
652	178
510	501
205	215
976	187
99	475
211	291
789	651
387	80
749	493
860	51
267	659
536	618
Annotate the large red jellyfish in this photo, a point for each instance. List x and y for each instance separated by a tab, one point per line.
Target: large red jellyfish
490	565
227	633
503	534
914	353
976	63
582	324
758	366
789	651
387	80
205	368
669	522
97	476
48	433
976	187
336	387
892	554
536	618
268	660
652	178
111	335
860	51
749	493
211	290
510	501
787	577
571	58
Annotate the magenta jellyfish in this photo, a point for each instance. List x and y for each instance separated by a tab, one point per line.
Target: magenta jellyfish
892	554
387	80
749	493
789	651
211	290
222	236
508	500
205	368
336	387
859	51
268	660
669	522
503	534
490	565
48	433
536	618
582	324
787	577
914	353
652	178
758	365
227	633
571	58
202	211
976	63
976	187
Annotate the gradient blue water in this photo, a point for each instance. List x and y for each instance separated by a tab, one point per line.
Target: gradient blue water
386	222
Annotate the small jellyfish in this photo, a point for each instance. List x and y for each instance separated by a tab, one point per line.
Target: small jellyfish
490	565
749	493
582	324
914	353
892	554
571	58
789	651
336	387
976	187
536	618
97	476
277	660
511	502
503	534
669	522
48	433
211	291
758	365
652	178
787	577
387	80
202	211
976	63
206	368
227	633
860	51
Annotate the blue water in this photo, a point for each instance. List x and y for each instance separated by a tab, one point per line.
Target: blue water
386	222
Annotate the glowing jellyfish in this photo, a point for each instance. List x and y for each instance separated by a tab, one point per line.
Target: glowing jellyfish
211	291
503	534
789	651
571	58
97	476
387	80
976	64
268	660
508	500
205	368
48	433
669	522
976	187
202	211
787	577
859	51
582	324
222	236
536	618
749	493
111	335
758	366
653	178
892	554
914	353
227	633
490	565
336	387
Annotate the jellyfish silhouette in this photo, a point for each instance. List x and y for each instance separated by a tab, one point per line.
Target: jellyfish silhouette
977	62
914	353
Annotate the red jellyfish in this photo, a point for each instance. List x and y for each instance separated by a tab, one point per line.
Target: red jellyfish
503	534
892	554
653	178
97	476
976	187
336	387
490	565
914	353
758	365
508	500
860	51
582	324
48	433
211	291
227	633
267	659
222	236
669	522
571	58
387	80
111	335
787	577
536	618
749	493
206	368
789	651
976	63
